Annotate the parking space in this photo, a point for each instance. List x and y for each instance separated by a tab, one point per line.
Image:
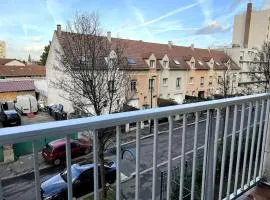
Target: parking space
40	117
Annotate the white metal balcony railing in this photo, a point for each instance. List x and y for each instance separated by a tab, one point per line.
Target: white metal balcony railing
252	124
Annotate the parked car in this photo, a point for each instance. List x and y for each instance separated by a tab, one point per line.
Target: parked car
55	151
26	104
55	188
10	118
57	111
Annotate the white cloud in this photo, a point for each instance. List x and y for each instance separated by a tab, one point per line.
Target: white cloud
27	27
206	6
165	26
34	47
164	16
36	39
266	4
212	27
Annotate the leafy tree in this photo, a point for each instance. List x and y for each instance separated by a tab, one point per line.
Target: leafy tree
44	55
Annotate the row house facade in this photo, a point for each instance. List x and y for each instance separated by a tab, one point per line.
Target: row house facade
163	71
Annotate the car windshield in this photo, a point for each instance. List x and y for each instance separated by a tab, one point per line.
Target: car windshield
49	147
12	115
75	174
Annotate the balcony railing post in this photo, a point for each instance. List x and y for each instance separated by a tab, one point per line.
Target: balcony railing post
266	160
209	180
1	190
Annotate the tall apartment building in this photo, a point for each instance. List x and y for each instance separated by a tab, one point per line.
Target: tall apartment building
251	29
2	49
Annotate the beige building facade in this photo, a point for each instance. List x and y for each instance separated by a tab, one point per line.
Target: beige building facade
2	49
252	28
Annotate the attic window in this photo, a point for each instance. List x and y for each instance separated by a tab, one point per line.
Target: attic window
176	62
131	61
200	62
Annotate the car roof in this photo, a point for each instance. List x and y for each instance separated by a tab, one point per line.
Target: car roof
82	168
10	112
59	142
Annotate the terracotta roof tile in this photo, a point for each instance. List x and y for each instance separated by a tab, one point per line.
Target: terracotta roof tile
4	61
22	71
14	86
139	51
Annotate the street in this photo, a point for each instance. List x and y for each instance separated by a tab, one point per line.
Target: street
23	187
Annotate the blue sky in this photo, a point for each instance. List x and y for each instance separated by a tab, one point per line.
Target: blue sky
26	26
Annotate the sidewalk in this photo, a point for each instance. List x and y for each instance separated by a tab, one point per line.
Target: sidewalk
21	166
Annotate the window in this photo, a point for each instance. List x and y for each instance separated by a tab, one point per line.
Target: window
193	93
176	62
178	82
165	81
111	86
87	86
133	85
202	81
200	62
191	80
131	61
151	84
152	63
234	78
210	80
219	79
165	64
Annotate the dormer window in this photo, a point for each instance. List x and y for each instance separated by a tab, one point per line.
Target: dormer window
177	62
152	63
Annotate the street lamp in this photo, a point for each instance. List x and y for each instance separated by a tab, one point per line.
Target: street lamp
151	87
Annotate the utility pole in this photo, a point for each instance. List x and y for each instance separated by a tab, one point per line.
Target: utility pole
151	99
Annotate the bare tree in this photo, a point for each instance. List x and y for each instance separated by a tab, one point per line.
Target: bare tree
260	69
94	76
226	83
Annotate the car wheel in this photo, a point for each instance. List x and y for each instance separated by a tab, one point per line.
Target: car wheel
87	151
57	162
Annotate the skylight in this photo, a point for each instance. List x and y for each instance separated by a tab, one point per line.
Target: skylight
218	63
176	62
200	62
131	61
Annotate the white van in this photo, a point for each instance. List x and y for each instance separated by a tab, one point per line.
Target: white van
26	104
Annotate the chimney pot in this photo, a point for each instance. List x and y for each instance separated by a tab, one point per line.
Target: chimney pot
192	46
170	43
58	28
109	36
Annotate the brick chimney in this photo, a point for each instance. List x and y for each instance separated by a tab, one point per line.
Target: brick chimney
247	24
109	36
58	29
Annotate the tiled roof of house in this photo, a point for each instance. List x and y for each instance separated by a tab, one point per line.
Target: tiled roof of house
4	61
15	86
139	51
22	71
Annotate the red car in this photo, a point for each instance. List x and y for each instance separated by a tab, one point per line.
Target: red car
55	151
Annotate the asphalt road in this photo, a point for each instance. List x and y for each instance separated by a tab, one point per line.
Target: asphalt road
23	188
